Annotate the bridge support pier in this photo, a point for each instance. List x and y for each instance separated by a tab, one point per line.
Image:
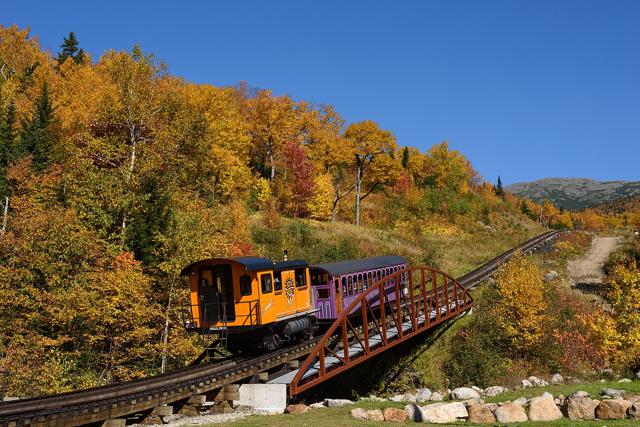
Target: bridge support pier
265	397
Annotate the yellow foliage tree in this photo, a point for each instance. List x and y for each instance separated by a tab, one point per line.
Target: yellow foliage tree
449	169
320	205
522	303
624	296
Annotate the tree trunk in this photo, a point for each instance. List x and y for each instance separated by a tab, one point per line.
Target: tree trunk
165	337
5	215
132	163
273	166
358	187
334	208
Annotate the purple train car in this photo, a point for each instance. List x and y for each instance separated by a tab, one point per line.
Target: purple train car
337	284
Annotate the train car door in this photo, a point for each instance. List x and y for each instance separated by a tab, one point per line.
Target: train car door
209	299
336	282
223	281
216	294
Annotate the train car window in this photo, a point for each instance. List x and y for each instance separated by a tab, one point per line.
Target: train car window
323	293
267	285
350	285
371	279
245	285
344	285
366	282
360	282
301	277
277	281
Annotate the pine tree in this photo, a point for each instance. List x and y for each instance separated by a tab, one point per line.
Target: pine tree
70	50
38	137
499	189
405	158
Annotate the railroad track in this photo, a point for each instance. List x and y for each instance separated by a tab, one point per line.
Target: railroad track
486	270
119	400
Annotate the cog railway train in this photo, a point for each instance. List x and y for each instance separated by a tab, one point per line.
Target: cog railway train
253	302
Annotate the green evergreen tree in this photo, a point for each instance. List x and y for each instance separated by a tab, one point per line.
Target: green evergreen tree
70	50
405	158
499	189
38	136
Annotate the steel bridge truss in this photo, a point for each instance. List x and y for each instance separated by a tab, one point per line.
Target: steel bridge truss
392	311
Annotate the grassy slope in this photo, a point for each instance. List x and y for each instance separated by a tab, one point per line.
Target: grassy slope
332	417
455	249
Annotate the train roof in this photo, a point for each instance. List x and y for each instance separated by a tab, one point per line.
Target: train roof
251	263
356	265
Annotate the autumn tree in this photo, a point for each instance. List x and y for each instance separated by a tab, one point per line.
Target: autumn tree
137	101
624	296
273	122
70	50
297	180
522	296
369	143
449	169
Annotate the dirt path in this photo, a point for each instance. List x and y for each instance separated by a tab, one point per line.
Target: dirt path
588	269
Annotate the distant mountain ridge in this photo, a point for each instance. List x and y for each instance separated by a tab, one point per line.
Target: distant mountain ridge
575	193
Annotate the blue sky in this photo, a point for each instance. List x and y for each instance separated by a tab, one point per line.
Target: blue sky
525	89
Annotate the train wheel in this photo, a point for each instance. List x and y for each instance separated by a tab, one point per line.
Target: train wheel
271	341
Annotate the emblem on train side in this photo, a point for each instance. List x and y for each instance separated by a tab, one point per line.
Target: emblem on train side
288	290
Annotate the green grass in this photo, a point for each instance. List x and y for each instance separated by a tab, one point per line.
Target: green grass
332	417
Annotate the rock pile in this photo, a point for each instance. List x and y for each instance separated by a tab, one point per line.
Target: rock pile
545	408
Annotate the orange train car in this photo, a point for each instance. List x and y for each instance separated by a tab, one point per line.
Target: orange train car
252	301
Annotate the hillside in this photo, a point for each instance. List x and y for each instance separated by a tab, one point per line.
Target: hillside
575	193
619	206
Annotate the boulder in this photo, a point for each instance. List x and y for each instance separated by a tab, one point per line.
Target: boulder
359	414
624	380
521	401
443	413
543	408
334	403
436	396
375	415
557	379
494	390
550	275
579	393
464	393
478	389
423	395
537	382
635	398
414	412
637	375
580	408
407	397
394	415
492	406
613	409
526	384
317	405
611	392
634	411
480	414
298	408
511	413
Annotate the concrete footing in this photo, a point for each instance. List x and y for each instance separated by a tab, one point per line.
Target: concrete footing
264	397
